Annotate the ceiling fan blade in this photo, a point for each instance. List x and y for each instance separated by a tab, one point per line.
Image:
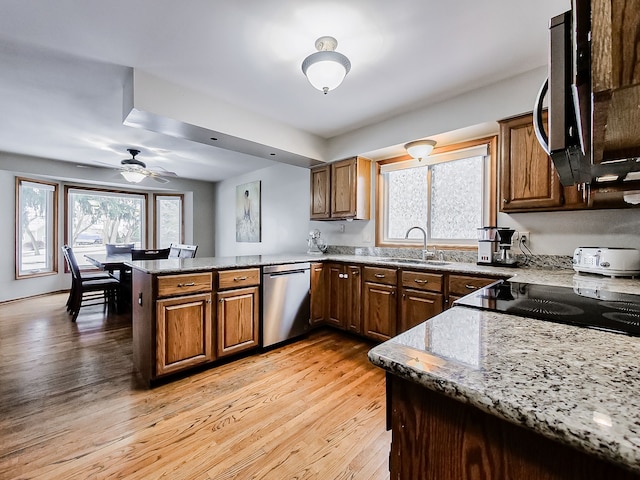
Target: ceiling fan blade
159	179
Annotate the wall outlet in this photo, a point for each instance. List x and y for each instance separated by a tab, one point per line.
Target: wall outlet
523	238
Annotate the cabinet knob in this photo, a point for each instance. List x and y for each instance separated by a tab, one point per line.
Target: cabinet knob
221	300
504	200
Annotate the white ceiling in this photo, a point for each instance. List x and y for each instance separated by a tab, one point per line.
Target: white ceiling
64	63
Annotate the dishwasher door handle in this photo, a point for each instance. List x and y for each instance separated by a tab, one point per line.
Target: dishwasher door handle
284	274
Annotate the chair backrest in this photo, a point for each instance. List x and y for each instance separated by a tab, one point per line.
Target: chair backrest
182	251
71	261
115	248
149	254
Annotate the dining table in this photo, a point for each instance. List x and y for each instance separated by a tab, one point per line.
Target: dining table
109	263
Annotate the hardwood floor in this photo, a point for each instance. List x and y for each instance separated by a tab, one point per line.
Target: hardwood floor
71	406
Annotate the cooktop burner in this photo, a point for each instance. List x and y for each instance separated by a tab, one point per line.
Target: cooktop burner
620	313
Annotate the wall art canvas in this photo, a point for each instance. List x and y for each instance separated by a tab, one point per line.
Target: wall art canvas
248	212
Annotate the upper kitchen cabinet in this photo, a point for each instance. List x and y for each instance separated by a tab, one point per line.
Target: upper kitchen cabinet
341	190
528	180
321	192
615	81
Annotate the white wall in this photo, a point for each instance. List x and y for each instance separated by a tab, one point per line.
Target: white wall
284	212
198	220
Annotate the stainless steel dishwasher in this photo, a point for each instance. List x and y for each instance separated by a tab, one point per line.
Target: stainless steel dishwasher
286	305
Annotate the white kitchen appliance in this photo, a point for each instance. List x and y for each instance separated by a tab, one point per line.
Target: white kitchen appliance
613	262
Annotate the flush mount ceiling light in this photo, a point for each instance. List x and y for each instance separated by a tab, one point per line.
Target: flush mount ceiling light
420	148
326	68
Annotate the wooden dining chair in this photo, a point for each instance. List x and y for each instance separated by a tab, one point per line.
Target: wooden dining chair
87	290
157	254
179	250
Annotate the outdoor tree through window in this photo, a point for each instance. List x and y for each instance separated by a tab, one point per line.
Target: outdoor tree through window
36	214
98	217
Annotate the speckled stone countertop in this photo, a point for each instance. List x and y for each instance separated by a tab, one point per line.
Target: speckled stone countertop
176	265
575	385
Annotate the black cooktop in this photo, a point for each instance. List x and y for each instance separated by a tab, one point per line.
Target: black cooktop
614	312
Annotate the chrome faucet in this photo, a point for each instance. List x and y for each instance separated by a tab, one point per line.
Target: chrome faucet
425	253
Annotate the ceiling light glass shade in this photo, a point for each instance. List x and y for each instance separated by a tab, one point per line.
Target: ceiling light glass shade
326	68
420	148
132	176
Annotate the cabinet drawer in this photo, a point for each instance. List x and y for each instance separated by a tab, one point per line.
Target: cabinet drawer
461	285
169	285
246	277
386	276
432	282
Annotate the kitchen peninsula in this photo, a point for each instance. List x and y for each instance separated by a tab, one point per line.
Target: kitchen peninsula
512	397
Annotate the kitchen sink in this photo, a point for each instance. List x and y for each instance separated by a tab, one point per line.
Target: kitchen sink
417	261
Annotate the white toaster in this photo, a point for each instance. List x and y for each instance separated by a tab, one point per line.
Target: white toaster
613	262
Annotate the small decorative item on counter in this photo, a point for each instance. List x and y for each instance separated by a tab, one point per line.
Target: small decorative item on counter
315	243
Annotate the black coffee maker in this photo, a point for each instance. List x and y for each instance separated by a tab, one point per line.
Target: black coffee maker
504	255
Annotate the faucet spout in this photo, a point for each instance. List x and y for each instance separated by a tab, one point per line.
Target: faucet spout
424	240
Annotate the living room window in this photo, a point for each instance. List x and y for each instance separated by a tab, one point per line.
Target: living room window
449	194
36	221
168	219
95	217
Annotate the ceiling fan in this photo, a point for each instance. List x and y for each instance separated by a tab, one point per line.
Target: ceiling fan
134	170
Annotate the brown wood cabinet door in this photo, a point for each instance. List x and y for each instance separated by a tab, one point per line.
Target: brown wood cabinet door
321	192
336	295
380	306
417	306
317	293
183	332
343	188
353	299
528	179
238	316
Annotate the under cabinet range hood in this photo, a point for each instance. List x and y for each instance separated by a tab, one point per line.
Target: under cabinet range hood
586	140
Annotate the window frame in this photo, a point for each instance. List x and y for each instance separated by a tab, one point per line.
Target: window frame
490	197
143	234
156	220
18	229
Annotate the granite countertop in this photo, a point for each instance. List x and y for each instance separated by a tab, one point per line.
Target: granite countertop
176	265
575	385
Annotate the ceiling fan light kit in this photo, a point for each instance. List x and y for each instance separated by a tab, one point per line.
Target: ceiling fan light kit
419	149
326	68
132	176
134	171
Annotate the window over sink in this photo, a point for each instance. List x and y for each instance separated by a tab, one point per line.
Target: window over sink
449	194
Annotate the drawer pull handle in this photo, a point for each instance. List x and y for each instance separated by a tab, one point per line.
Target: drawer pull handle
239	279
190	284
471	287
317	269
422	282
379	275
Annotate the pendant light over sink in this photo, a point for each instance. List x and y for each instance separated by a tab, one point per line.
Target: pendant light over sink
326	68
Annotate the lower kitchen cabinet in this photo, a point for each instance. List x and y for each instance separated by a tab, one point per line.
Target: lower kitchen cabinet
318	293
461	285
421	298
238	311
344	291
380	303
183	332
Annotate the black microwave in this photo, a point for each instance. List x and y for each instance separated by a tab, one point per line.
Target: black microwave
568	142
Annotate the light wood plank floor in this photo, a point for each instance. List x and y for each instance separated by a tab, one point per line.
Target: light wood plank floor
71	407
